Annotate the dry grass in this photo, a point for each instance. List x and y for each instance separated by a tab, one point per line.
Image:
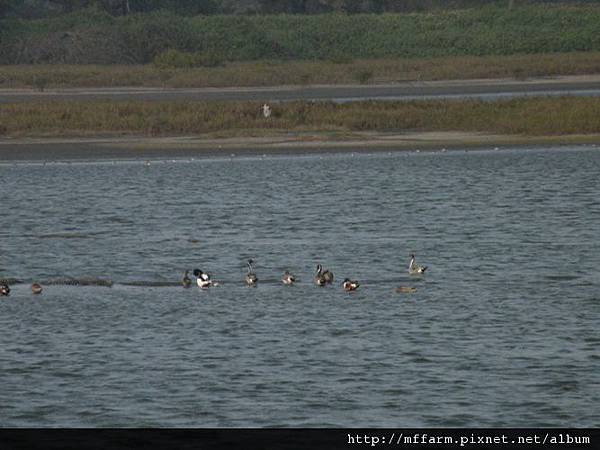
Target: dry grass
531	116
274	73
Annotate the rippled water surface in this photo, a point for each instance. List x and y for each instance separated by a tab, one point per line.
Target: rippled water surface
503	329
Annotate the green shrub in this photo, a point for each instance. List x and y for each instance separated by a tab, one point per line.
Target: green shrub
165	76
340	58
363	76
519	73
148	35
209	59
40	82
175	59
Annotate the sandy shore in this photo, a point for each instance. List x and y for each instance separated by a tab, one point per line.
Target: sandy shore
133	147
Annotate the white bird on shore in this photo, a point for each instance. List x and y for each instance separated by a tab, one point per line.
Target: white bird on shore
266	110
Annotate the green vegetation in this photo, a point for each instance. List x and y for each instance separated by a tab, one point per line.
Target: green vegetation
48	8
93	36
273	73
174	59
533	117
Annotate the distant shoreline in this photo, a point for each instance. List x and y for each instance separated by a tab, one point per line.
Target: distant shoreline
133	147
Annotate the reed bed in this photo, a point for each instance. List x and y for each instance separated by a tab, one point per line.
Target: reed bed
550	116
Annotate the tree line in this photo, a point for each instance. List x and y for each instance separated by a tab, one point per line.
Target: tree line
29	9
167	39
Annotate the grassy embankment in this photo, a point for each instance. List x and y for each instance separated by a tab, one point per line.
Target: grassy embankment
176	42
528	117
272	50
277	73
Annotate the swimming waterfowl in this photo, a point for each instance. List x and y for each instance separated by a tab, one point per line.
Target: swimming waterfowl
202	279
319	278
414	268
323	277
288	278
251	278
405	289
4	289
186	280
350	285
36	288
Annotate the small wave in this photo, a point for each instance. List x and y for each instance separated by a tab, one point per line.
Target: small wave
121	220
10	281
65	236
85	281
562	277
144	283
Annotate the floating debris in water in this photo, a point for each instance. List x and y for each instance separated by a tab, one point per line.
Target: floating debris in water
406	289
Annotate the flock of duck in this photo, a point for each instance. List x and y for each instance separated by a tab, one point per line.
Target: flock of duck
322	277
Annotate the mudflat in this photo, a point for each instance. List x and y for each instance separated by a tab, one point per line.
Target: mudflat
132	147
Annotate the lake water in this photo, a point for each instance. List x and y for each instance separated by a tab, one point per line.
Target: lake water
502	331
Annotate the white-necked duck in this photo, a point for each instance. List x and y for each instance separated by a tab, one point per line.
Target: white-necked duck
323	277
415	269
251	278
